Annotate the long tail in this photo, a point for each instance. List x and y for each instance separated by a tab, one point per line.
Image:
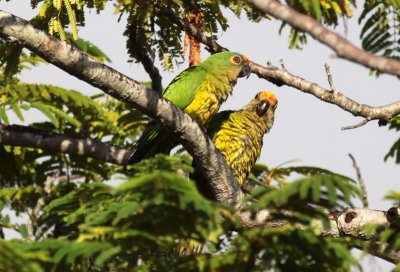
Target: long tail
146	145
155	139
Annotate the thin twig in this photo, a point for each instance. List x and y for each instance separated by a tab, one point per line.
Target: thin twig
282	64
360	181
32	223
330	80
48	184
362	123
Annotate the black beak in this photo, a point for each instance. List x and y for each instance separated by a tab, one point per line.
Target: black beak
262	107
246	71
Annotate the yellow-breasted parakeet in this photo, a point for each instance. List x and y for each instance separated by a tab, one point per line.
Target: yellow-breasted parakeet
199	91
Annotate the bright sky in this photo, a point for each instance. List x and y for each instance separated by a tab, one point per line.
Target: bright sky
305	128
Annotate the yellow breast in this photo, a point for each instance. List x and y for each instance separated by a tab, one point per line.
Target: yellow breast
207	101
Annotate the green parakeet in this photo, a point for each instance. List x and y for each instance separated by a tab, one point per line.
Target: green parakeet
199	91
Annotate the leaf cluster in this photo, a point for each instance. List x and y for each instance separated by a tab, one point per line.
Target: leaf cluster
380	31
92	226
394	151
55	15
316	187
327	12
150	30
140	223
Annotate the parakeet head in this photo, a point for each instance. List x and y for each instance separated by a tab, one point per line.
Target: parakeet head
235	63
265	101
239	134
262	107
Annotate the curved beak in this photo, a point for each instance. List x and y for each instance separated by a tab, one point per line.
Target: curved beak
246	71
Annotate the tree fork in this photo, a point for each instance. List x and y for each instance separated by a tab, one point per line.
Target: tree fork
68	58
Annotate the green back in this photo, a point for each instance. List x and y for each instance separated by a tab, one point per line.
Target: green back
184	86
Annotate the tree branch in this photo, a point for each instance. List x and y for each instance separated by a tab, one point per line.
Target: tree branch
16	135
281	76
364	195
378	249
340	45
70	59
351	222
145	57
192	30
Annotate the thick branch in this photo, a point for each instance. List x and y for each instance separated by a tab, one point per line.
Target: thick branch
58	143
70	59
380	250
340	45
351	222
282	76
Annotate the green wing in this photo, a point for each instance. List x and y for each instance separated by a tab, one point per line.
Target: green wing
181	92
184	86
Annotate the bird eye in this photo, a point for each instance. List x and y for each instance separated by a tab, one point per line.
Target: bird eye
262	107
236	59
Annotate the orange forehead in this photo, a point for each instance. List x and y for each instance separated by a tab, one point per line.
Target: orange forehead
268	96
246	59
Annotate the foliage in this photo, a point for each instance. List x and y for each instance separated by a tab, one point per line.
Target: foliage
55	15
324	11
394	124
151	32
380	33
149	29
327	189
78	214
138	225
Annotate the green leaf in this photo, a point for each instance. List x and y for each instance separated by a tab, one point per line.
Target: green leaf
316	189
45	110
23	230
17	111
317	9
304	188
105	255
64	116
3	115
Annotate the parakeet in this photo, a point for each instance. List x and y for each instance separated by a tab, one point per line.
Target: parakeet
199	91
239	136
